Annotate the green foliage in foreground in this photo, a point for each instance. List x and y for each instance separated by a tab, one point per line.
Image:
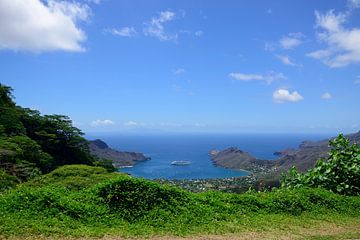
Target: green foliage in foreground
63	203
73	177
7	181
32	144
339	174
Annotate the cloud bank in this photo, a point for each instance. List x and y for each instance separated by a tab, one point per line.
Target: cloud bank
342	44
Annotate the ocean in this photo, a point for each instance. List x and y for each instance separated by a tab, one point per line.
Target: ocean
163	149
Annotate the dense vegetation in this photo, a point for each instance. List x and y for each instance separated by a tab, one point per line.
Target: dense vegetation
31	143
340	173
80	200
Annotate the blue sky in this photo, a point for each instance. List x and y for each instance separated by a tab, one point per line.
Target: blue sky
186	66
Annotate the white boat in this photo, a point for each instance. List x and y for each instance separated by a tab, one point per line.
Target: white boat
181	163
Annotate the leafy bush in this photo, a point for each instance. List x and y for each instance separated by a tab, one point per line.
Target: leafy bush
50	201
133	198
7	181
74	177
339	174
282	201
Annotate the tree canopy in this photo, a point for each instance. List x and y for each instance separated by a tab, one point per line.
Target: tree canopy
31	143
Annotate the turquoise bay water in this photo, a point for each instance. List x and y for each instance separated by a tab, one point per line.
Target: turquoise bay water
195	148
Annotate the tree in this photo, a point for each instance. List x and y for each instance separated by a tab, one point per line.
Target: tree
6	97
46	141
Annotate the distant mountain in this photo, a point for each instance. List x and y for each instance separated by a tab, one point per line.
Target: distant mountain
119	158
302	158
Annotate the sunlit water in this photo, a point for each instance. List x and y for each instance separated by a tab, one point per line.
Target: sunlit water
195	148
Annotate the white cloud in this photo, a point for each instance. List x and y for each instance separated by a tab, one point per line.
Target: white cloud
291	41
183	31
74	10
269	77
94	1
100	122
354	3
245	77
273	76
357	80
131	124
287	61
269	47
155	27
199	124
320	54
343	45
283	95
32	25
168	124
179	71
326	96
123	32
199	33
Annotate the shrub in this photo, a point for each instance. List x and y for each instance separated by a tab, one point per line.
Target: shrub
339	174
133	198
74	177
7	181
50	201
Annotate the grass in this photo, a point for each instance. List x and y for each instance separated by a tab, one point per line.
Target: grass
84	202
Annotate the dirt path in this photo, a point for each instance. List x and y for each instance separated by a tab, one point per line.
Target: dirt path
323	231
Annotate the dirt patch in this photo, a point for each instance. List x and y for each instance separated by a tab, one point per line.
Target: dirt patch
331	230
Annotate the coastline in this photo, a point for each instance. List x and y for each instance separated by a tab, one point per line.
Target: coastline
233	184
237	169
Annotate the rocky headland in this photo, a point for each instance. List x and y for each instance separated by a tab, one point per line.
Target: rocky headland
119	158
303	158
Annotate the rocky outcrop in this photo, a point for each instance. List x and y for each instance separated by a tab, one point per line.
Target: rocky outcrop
235	158
119	158
302	158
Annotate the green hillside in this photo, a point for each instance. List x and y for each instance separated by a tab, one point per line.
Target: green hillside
87	201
